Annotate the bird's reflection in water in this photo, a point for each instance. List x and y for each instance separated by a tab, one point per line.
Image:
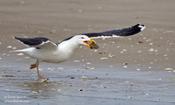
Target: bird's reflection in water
42	90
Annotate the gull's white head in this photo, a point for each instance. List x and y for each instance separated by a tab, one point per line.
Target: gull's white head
86	41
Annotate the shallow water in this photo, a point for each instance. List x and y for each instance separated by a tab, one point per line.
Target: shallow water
81	86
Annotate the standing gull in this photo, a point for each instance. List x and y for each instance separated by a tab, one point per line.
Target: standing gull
44	50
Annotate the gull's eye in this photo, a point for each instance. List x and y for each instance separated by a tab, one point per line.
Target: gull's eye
82	38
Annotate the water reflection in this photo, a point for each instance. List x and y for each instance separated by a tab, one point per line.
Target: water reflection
42	90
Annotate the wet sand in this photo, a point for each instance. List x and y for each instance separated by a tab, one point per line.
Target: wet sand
126	71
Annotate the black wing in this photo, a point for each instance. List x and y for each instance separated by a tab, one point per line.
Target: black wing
39	42
32	41
117	32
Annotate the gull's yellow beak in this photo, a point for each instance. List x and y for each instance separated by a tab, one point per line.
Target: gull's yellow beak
91	44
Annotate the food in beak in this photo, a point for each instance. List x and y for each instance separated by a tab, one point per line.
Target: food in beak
91	44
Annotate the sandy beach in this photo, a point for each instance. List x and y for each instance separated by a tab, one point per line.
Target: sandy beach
136	70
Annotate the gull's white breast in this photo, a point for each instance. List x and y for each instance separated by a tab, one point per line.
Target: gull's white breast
47	55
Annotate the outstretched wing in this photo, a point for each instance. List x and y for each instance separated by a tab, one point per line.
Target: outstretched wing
117	32
38	42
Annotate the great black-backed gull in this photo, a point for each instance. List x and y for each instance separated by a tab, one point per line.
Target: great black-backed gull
44	50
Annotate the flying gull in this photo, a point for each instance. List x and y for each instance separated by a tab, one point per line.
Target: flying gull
44	50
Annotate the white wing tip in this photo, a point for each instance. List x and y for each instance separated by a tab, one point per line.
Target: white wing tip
142	27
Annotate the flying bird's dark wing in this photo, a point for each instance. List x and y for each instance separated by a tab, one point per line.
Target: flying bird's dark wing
117	32
38	42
